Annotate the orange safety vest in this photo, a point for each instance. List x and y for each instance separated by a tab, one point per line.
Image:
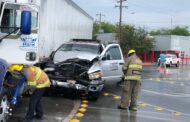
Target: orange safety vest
36	77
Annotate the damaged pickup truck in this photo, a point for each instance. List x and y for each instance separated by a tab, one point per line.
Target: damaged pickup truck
85	65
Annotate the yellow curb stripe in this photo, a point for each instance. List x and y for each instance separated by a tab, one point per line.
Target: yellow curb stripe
82	110
79	115
74	120
84	105
85	101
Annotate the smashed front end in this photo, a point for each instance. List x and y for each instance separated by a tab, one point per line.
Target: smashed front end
80	74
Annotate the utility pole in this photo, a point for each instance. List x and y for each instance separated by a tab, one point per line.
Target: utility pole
120	17
100	20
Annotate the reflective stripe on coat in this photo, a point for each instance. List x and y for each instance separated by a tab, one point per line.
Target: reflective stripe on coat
37	78
132	68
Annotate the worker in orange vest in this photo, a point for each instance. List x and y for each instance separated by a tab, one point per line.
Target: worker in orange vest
132	70
37	79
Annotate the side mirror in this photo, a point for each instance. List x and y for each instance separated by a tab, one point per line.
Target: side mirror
26	22
103	58
106	57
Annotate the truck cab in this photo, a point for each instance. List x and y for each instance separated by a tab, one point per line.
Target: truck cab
19	32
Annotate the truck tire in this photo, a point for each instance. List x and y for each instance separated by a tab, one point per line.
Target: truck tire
4	106
177	65
93	95
170	65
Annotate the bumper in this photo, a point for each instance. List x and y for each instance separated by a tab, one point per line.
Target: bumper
173	63
89	87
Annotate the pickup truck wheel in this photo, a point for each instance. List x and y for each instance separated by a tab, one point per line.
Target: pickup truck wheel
93	95
177	65
170	65
4	106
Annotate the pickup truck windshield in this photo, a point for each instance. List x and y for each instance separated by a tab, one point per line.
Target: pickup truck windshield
11	18
80	47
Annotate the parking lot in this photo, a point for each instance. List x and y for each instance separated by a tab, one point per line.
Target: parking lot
164	98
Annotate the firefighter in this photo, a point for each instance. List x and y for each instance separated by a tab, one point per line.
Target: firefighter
132	70
37	80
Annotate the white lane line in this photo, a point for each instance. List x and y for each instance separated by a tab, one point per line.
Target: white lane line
73	112
140	115
166	94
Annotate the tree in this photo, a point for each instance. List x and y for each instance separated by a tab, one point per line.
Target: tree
137	39
105	26
160	32
181	31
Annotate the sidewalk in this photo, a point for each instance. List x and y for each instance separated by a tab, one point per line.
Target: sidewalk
148	63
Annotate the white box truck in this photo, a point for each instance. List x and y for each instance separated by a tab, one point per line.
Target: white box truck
30	31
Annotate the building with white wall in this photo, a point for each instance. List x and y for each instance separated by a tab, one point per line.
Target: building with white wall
172	42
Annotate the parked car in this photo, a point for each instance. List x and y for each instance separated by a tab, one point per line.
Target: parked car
85	65
171	59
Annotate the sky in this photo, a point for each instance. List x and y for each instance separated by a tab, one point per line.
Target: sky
150	14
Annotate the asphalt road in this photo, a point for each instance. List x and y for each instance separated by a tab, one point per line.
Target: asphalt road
57	108
163	98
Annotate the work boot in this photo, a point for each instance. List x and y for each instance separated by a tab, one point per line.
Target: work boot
122	108
133	108
25	120
38	117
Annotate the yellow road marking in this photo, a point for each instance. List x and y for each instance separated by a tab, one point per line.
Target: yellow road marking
143	104
85	101
79	115
176	113
158	108
74	120
106	94
82	110
84	105
117	97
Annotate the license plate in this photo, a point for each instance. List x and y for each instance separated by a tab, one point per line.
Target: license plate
71	81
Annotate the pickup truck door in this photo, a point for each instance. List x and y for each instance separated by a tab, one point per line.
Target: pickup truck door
112	61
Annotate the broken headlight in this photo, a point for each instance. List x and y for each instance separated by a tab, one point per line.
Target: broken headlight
95	75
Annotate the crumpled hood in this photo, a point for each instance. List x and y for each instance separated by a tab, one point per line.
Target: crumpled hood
61	56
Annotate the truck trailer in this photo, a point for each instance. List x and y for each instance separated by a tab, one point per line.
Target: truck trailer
52	23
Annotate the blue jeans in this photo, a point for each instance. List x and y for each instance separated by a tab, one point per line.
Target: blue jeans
35	104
